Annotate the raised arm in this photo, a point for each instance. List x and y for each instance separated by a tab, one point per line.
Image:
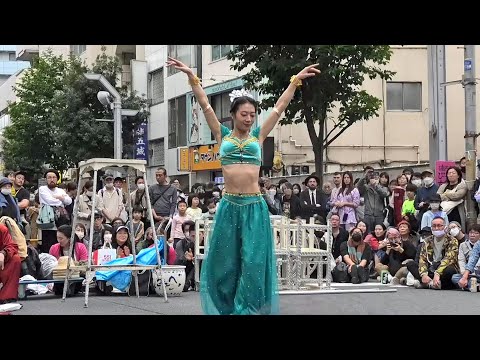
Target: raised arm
284	100
201	97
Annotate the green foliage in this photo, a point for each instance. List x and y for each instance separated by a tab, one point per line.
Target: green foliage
53	121
344	68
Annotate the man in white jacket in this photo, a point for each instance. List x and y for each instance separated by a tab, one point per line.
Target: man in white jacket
53	196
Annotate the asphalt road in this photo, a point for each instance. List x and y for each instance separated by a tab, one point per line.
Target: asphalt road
405	301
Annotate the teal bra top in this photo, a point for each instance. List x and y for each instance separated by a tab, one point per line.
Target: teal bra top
236	151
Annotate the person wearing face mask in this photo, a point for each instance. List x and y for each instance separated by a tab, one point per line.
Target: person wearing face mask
463	166
277	203
435	211
80	231
408	172
356	255
110	200
464	253
85	204
211	210
139	199
216	194
416	179
438	259
424	193
8	204
373	194
455	229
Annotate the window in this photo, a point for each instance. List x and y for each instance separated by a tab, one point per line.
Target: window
177	122
11	56
78	49
404	96
221	51
221	105
127	57
156	87
157	152
185	53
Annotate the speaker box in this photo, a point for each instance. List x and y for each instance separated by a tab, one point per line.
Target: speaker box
268	151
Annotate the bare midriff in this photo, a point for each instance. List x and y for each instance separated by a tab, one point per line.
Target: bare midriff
241	178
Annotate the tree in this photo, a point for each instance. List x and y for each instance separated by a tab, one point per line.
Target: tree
53	123
343	71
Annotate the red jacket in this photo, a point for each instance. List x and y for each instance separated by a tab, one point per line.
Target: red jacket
7	246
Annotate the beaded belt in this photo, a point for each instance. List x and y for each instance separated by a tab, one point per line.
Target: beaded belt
243	194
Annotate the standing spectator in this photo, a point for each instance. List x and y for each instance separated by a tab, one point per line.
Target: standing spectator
290	202
72	192
194	212
453	194
374	194
425	192
163	196
337	183
348	199
84	212
52	195
313	200
21	194
139	199
8	204
110	200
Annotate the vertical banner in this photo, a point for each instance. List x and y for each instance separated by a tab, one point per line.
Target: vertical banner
141	142
441	170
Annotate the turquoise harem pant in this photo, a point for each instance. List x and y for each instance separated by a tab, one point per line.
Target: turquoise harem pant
238	274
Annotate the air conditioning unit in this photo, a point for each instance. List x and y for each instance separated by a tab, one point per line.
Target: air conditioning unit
305	169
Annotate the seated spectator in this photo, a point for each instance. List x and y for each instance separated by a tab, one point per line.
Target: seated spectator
397	254
435	211
10	266
455	229
121	241
356	255
185	251
405	230
339	234
438	259
376	240
464	254
117	222
211	210
62	248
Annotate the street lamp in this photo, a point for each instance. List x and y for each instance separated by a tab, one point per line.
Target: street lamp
116	106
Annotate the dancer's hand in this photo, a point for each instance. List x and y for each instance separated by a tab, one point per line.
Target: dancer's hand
309	71
177	64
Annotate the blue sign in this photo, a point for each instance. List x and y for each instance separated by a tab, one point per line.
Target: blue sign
468	64
141	142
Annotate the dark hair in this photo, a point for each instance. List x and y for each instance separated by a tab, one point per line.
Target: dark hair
373	230
459	172
288	186
37	198
190	223
408	169
114	237
393	181
298	186
137	208
475	227
88	184
438	217
117	218
67	231
190	198
384	173
240	101
83	227
282	181
411	187
209	201
417	175
181	201
349	188
337	173
368	167
71	186
163	170
138	178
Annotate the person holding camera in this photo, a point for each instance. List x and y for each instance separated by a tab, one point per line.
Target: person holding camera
374	195
397	254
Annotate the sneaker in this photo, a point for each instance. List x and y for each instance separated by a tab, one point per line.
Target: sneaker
431	286
395	281
403	281
417	284
378	278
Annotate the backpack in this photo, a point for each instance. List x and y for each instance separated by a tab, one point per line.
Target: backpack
46	217
17	236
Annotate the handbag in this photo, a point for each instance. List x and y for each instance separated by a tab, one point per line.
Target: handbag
145	283
104	255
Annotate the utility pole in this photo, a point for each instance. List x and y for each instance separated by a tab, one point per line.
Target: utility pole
469	84
437	104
